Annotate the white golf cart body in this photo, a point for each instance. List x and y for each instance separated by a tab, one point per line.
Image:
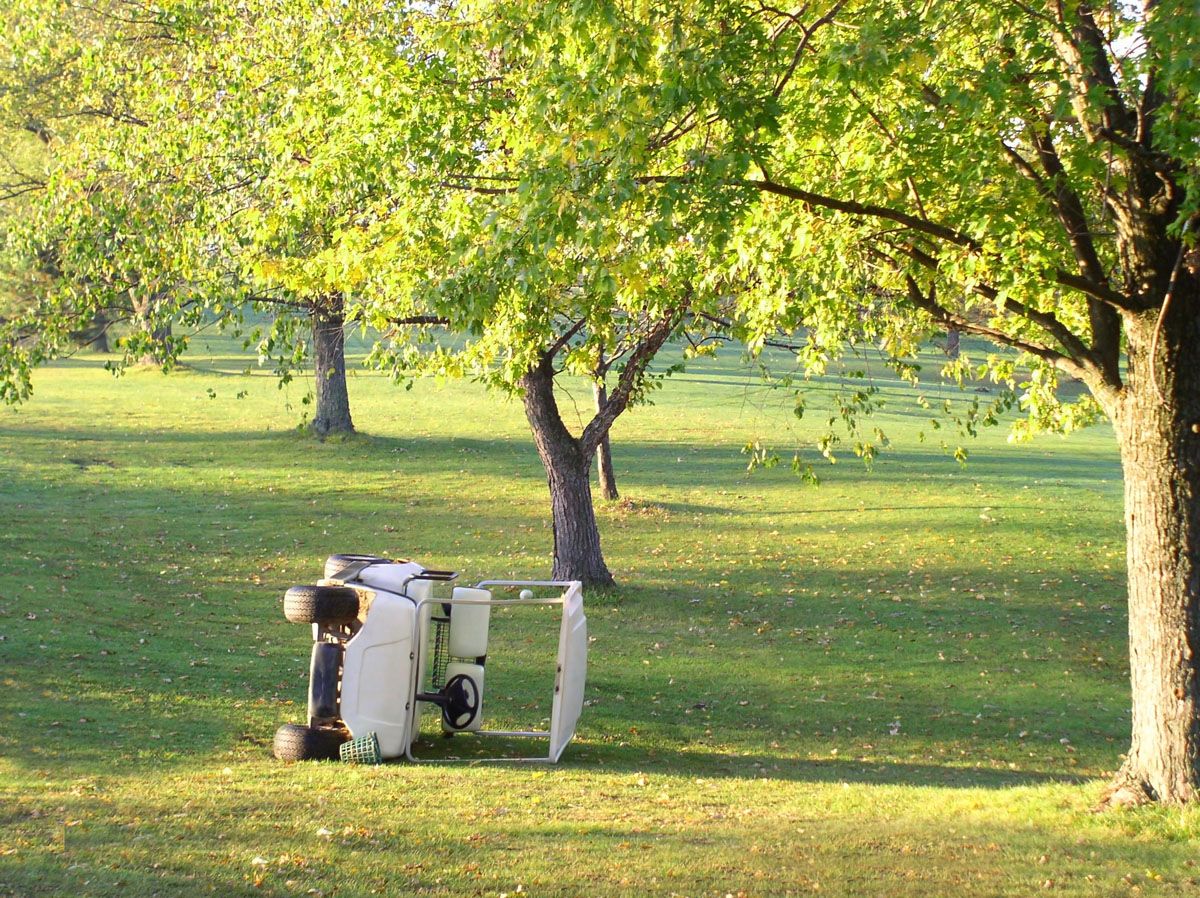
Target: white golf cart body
386	660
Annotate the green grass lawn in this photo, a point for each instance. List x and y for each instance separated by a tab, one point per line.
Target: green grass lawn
905	682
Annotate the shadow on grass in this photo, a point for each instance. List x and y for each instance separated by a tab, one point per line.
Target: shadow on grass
697	761
230	844
129	734
640	463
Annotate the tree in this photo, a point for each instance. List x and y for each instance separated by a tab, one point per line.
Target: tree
525	299
1024	171
168	200
262	147
562	339
101	241
606	475
329	361
1028	174
568	458
22	174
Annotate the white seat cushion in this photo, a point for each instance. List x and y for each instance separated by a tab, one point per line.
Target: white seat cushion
469	623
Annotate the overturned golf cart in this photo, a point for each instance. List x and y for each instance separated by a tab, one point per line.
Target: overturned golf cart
392	639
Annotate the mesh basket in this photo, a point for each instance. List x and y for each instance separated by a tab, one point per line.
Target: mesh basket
361	750
441	651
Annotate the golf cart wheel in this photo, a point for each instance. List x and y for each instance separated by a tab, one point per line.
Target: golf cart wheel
294	742
320	604
336	564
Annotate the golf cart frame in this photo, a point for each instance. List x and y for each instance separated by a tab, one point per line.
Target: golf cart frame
569	671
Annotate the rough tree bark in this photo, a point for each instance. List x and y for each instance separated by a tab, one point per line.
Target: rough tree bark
1157	420
159	335
605	473
953	338
577	554
329	360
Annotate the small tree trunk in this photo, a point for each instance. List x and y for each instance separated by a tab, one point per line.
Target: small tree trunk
145	308
952	340
604	464
329	360
1157	421
95	335
159	354
577	554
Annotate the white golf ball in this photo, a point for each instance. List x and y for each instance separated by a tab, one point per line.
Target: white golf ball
526	593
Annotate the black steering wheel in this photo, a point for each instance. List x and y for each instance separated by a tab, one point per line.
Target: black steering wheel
461	695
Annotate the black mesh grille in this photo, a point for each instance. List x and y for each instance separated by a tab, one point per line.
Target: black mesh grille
441	651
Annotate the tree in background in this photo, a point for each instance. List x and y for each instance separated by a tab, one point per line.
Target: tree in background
172	194
520	341
273	156
606	474
57	87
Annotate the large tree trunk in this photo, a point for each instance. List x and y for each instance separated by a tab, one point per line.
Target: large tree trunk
577	554
604	463
1157	420
329	360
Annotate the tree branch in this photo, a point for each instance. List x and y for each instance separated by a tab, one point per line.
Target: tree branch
933	229
1057	190
564	338
1068	207
852	207
1076	358
939	313
807	34
1093	282
630	377
418	321
1080	46
726	326
474	188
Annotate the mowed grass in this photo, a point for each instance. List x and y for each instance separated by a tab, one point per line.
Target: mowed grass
904	682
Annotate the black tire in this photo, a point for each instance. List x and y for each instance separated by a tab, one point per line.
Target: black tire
335	564
320	604
294	742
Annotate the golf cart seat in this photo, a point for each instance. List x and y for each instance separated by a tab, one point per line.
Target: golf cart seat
469	623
